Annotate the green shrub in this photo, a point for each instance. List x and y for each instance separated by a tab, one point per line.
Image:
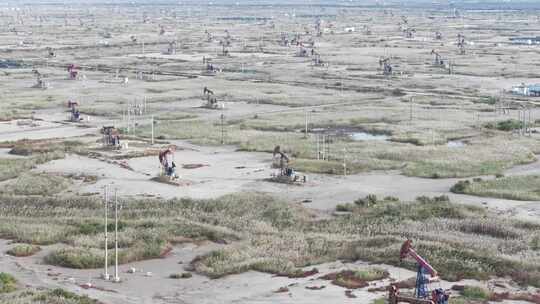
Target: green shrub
475	293
77	258
367	201
92	227
535	243
491	100
391	199
371	274
23	250
7	283
87	258
184	275
61	296
398	92
505	125
460	186
431	200
345	207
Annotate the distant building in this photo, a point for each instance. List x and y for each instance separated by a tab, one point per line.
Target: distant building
527	90
525	40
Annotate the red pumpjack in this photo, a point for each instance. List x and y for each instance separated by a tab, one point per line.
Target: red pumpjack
421	293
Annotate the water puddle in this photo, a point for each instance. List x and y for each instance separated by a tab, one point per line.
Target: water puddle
4	153
455	144
364	136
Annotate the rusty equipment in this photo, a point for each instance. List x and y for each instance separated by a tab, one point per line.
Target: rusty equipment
461	44
421	293
438	61
387	67
211	100
73	71
286	175
111	136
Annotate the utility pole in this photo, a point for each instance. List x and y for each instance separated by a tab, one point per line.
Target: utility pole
411	111
128	118
530	122
324	147
328	147
134	124
524	123
106	196
344	161
306	134
152	129
116	277
144	104
222	128
321	146
318	147
520	119
341	84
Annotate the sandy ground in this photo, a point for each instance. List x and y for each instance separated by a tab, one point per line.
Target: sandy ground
226	171
10	131
249	287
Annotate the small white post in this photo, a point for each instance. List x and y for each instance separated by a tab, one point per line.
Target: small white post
318	148
106	274
523	123
323	146
306	134
520	119
222	128
530	123
116	277
152	129
411	111
341	85
144	104
344	162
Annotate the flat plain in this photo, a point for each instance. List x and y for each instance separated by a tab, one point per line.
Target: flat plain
438	150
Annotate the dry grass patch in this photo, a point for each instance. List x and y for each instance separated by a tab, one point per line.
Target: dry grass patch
54	296
23	250
481	156
523	188
31	183
13	167
353	279
265	234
